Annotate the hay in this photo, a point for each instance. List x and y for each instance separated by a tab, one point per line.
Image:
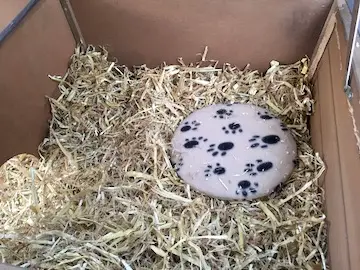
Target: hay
104	194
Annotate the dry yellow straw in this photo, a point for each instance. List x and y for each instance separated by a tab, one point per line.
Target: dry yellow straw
104	194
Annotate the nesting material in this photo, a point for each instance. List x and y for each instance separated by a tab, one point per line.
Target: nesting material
105	196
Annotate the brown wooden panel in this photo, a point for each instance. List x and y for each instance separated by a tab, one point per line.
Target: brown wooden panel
326	132
315	120
348	153
153	31
40	46
355	105
341	154
9	9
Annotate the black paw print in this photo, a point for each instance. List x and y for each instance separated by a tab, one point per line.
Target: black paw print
222	113
245	187
178	165
233	128
189	126
222	148
265	116
283	127
218	170
269	139
250	169
260	167
193	142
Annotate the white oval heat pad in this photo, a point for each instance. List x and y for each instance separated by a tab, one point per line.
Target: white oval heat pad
233	151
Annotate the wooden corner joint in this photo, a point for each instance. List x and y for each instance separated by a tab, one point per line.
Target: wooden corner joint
73	23
323	40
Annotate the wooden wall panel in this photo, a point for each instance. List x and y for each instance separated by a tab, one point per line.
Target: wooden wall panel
324	135
154	31
39	46
9	9
348	152
335	138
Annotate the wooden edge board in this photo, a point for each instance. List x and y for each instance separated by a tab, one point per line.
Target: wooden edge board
73	23
323	40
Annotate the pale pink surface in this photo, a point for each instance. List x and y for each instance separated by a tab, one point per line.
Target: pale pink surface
209	130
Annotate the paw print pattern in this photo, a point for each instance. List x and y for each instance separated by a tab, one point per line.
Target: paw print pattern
222	113
260	167
193	142
190	126
265	116
283	127
232	128
245	186
178	165
222	148
269	139
218	170
249	168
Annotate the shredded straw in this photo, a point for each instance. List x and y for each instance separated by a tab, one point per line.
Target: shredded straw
104	195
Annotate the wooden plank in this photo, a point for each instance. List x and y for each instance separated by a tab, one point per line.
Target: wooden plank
155	31
39	46
348	154
323	40
338	246
8	11
355	110
315	123
73	23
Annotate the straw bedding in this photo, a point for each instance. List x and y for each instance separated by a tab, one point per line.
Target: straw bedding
104	195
